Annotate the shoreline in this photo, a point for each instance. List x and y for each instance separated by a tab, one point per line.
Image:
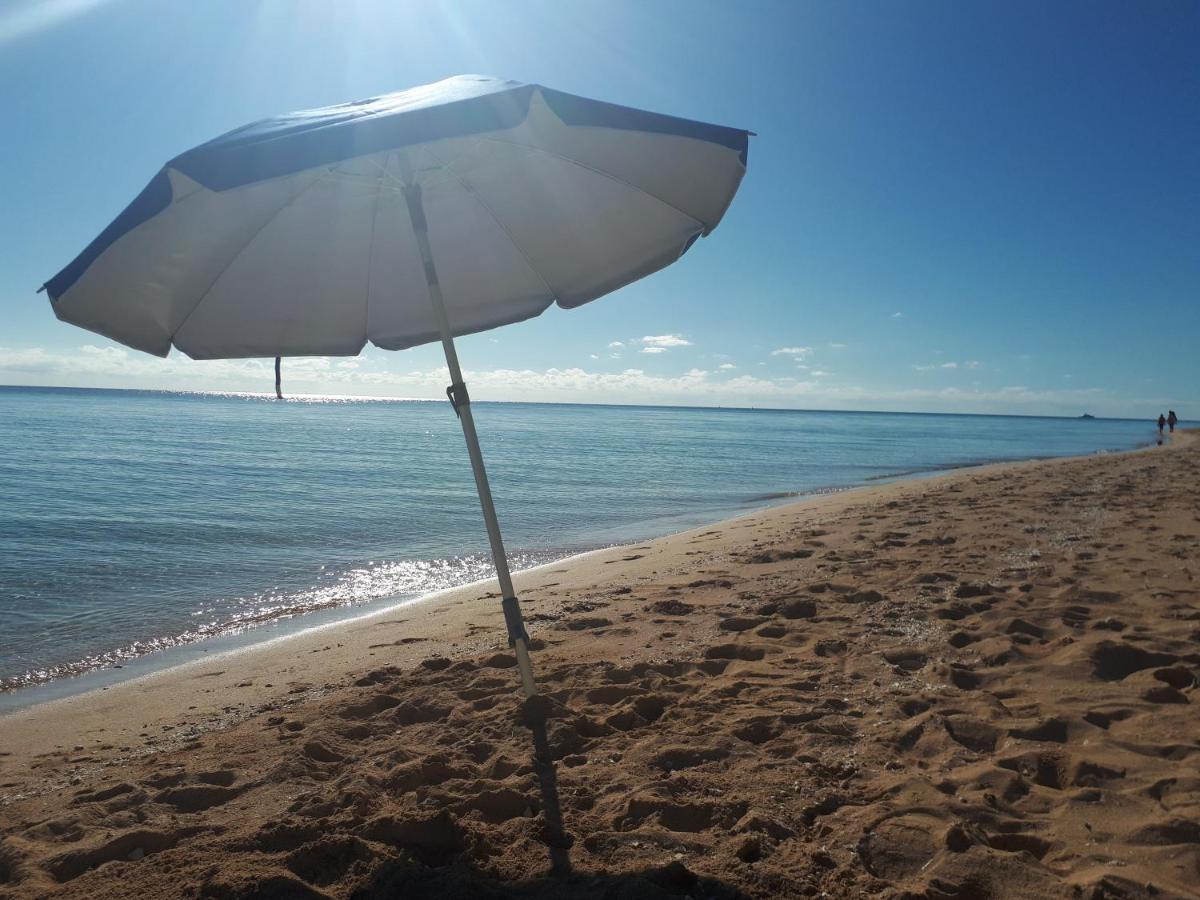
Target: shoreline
189	653
983	683
264	674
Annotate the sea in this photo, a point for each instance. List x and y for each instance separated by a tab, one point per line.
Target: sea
139	529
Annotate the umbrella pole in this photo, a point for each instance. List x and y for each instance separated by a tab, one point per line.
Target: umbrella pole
518	638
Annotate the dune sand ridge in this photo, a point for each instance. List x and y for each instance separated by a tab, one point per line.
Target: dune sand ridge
977	685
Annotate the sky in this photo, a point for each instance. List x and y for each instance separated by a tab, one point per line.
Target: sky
987	207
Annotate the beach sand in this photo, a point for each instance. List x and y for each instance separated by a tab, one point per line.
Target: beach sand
975	685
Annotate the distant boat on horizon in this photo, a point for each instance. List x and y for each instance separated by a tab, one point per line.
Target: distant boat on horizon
1087	416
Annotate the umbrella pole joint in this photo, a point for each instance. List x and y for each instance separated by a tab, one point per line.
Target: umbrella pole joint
514	621
458	397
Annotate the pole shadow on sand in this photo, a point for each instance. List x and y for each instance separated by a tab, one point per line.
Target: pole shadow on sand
533	716
461	878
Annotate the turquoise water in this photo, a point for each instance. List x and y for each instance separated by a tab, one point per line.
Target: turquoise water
132	522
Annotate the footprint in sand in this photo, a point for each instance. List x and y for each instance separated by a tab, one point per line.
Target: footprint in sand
197	798
132	845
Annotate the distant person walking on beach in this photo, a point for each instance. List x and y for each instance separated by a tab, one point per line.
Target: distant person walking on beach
1172	419
1162	421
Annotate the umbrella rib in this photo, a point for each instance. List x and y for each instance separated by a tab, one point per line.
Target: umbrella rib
466	186
600	172
371	250
242	249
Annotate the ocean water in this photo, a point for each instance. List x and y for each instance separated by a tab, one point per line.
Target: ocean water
134	522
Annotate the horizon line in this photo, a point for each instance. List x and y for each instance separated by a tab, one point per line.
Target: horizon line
267	395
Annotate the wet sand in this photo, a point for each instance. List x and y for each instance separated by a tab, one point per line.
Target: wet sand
975	685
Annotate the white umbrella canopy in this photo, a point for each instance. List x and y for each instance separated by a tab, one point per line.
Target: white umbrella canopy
417	216
292	236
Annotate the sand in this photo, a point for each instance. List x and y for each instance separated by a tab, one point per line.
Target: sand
976	685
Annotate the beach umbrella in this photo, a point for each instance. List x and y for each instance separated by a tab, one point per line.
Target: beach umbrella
408	218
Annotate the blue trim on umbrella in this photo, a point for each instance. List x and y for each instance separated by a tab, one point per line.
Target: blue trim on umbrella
154	198
272	148
294	143
581	111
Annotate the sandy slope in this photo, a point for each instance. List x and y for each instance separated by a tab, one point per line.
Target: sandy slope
980	685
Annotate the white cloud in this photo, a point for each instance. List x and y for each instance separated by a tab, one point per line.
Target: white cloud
800	352
897	315
665	341
108	366
819	373
370	375
949	365
973	364
615	345
727	366
594	356
837	345
653	350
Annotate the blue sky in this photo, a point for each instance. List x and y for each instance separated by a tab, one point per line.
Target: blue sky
979	207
